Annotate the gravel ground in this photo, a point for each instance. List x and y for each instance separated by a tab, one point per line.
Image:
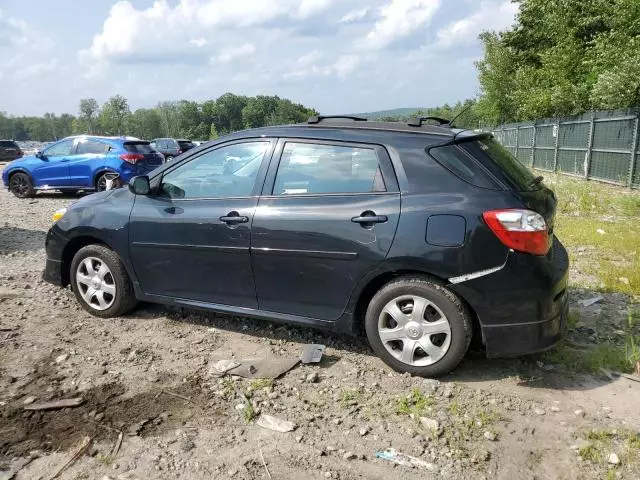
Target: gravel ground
148	375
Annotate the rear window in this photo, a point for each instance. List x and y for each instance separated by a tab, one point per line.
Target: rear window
501	163
8	144
138	147
454	159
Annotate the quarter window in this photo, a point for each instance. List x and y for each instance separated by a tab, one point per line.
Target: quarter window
229	171
60	149
317	169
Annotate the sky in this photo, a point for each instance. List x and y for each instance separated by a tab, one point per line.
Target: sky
333	55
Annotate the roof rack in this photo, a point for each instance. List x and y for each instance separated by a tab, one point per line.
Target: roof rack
319	118
417	122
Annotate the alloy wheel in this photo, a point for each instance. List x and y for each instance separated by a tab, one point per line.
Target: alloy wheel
414	330
19	185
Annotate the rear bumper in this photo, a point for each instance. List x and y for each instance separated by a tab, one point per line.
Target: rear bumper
522	308
524	338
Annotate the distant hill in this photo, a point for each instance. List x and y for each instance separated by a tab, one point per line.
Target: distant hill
396	112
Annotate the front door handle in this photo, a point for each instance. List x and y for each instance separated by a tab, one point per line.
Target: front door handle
369	218
232	218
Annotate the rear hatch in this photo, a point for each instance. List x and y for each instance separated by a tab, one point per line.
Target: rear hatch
146	158
9	150
509	171
185	145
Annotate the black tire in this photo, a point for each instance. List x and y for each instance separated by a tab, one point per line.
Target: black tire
455	310
101	182
21	185
124	299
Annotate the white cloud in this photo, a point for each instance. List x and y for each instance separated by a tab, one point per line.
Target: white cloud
13	31
341	68
399	19
355	15
198	42
233	53
37	69
491	15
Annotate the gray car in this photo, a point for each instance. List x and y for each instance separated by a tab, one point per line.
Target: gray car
171	147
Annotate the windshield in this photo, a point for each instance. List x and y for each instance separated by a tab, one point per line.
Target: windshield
138	147
501	163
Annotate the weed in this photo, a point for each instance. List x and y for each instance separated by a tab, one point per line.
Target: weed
609	356
349	396
415	403
105	459
611	474
454	408
228	388
249	412
260	383
590	453
573	318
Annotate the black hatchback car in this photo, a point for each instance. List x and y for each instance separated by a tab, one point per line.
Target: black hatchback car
426	236
9	151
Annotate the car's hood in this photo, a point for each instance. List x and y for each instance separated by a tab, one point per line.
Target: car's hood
25	162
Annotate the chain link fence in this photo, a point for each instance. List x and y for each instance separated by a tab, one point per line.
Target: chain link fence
602	146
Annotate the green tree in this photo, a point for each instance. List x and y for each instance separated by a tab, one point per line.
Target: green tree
113	115
213	133
89	110
562	57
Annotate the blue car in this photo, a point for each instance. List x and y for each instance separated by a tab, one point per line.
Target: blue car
80	163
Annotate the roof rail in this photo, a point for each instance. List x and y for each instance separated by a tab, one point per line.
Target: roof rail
417	122
319	118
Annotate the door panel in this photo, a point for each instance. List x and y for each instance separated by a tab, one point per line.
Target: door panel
328	218
192	238
89	155
54	169
182	249
308	254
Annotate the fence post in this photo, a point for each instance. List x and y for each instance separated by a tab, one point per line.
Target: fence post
587	156
556	144
517	140
634	149
533	145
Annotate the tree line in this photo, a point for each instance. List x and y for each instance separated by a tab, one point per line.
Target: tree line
180	119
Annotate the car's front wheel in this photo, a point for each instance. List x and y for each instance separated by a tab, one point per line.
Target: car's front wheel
100	282
418	326
21	186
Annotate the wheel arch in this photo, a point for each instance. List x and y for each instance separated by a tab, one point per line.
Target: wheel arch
99	171
375	282
71	248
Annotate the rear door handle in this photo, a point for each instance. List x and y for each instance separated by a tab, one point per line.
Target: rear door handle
364	219
234	217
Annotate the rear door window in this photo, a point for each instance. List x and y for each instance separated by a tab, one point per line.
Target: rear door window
501	163
307	168
91	147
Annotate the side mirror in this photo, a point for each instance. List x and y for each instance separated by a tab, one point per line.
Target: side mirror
140	185
39	154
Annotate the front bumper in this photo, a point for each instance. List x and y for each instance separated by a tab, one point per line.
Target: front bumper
523	307
53	272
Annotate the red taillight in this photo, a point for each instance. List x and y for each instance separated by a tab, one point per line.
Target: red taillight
521	230
131	158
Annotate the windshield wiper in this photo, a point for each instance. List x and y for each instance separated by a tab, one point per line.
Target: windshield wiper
536	181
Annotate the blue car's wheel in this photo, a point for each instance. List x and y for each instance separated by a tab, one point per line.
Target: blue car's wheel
21	185
101	183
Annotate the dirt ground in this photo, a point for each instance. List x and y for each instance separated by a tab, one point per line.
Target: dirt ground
148	375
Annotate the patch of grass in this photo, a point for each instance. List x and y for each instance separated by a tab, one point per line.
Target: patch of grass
415	403
347	397
573	318
611	474
228	387
260	383
590	453
248	412
609	356
454	408
105	459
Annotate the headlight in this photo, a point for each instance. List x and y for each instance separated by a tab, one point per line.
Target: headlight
58	214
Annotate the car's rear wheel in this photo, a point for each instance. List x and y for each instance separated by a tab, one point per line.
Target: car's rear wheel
21	186
101	182
416	325
101	283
